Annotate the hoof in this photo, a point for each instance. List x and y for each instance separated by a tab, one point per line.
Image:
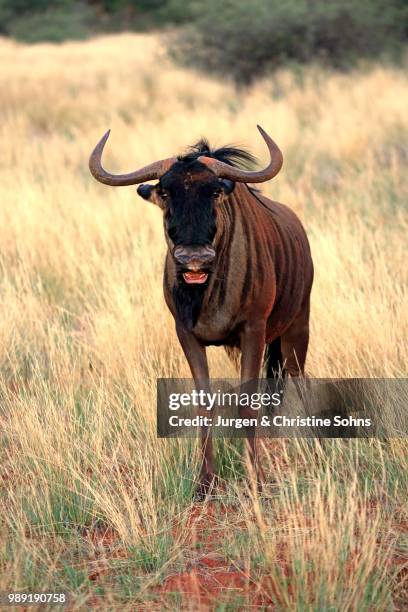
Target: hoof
205	486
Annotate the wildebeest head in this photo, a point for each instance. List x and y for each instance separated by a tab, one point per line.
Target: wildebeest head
189	195
189	190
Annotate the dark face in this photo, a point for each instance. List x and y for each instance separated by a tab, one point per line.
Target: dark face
189	194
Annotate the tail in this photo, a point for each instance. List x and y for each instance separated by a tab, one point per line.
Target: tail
273	362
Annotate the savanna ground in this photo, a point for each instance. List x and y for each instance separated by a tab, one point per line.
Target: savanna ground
91	502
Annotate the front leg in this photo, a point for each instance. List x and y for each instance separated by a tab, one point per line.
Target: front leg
197	360
252	348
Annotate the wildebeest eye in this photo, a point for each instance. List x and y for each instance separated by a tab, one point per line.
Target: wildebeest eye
163	194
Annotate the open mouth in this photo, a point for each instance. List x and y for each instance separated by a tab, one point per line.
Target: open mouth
197	278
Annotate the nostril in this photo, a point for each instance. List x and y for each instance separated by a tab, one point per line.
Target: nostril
210	254
179	255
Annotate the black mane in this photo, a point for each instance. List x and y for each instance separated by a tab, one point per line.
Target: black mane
233	156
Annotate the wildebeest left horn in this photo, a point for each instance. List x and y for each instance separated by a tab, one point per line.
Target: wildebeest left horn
150	172
243	176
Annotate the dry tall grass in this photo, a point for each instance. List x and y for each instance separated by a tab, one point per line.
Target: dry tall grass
84	332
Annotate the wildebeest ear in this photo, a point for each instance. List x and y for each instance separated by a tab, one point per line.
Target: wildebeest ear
145	191
227	186
150	193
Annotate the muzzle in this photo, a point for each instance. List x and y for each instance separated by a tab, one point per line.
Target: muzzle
195	262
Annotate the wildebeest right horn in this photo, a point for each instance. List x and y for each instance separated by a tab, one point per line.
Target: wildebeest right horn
243	176
150	172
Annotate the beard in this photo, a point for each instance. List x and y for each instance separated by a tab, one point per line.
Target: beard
188	300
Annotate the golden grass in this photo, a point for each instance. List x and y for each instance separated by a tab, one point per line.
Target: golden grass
85	333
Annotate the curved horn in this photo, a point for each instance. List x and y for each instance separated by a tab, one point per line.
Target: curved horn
242	176
152	171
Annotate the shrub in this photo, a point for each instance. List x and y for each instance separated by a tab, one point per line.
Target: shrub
55	24
57	20
42	20
245	39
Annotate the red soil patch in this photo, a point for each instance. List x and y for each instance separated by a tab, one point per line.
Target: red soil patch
210	580
207	578
203	524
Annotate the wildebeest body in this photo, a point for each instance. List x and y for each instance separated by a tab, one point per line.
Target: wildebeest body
238	270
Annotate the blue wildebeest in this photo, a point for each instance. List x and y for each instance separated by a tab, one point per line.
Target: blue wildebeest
238	269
